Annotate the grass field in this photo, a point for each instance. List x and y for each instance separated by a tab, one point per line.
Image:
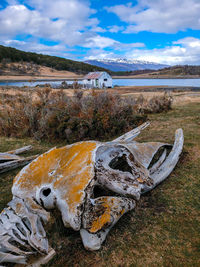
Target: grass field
164	229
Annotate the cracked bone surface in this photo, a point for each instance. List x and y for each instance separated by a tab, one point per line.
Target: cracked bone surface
92	184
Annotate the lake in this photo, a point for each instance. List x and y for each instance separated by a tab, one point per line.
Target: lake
118	82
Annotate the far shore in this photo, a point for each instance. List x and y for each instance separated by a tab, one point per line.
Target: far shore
156	77
37	78
24	78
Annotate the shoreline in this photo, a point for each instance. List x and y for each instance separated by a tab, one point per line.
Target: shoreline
155	78
40	80
79	78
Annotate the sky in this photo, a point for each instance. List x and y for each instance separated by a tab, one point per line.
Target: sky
162	31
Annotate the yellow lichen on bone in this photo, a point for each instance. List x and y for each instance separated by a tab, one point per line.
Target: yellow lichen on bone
79	170
112	210
104	219
68	169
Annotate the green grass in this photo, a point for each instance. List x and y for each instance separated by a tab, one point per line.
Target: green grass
164	229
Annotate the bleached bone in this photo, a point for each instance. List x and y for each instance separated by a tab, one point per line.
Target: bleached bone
20	150
43	259
127	137
164	170
92	184
7	157
159	162
21	224
13	164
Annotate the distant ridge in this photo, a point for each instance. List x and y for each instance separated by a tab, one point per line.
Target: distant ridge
122	64
11	54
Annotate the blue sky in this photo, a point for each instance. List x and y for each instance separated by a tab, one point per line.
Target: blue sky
163	31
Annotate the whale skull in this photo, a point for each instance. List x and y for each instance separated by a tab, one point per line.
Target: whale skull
65	178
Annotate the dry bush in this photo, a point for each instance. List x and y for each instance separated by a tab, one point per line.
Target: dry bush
48	114
156	104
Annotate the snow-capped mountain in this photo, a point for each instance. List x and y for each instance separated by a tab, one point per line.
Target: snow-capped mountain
123	64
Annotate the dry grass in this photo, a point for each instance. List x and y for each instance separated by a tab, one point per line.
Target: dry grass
163	230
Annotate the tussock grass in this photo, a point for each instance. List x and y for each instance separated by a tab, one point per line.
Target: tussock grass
164	228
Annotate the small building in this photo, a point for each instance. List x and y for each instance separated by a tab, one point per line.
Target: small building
97	80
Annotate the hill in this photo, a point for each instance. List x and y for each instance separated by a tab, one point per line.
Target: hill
180	70
9	54
30	71
123	64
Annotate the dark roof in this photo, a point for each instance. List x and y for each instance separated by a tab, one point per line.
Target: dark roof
93	75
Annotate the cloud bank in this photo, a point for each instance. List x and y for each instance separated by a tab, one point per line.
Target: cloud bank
73	29
160	16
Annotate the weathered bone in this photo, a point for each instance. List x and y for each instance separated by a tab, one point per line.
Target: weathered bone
159	162
13	164
128	137
66	178
19	224
101	215
7	157
164	170
9	160
20	150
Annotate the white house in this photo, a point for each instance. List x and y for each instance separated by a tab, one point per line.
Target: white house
97	80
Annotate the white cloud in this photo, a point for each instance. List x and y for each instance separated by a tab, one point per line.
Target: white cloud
127	46
99	54
99	41
167	16
77	10
183	51
118	50
65	21
115	28
12	2
33	46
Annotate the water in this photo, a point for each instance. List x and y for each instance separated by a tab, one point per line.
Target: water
118	82
32	84
157	82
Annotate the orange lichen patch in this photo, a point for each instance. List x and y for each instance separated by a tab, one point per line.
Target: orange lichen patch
69	169
79	170
122	211
112	209
104	219
140	180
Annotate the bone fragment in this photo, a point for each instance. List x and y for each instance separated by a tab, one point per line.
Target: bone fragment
6	157
20	150
127	137
44	259
7	257
19	224
169	164
7	166
159	162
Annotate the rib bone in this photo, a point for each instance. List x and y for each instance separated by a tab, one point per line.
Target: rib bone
19	224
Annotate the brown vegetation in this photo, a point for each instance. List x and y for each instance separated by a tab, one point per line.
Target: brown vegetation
52	115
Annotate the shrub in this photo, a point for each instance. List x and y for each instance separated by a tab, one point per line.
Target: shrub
49	114
156	104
